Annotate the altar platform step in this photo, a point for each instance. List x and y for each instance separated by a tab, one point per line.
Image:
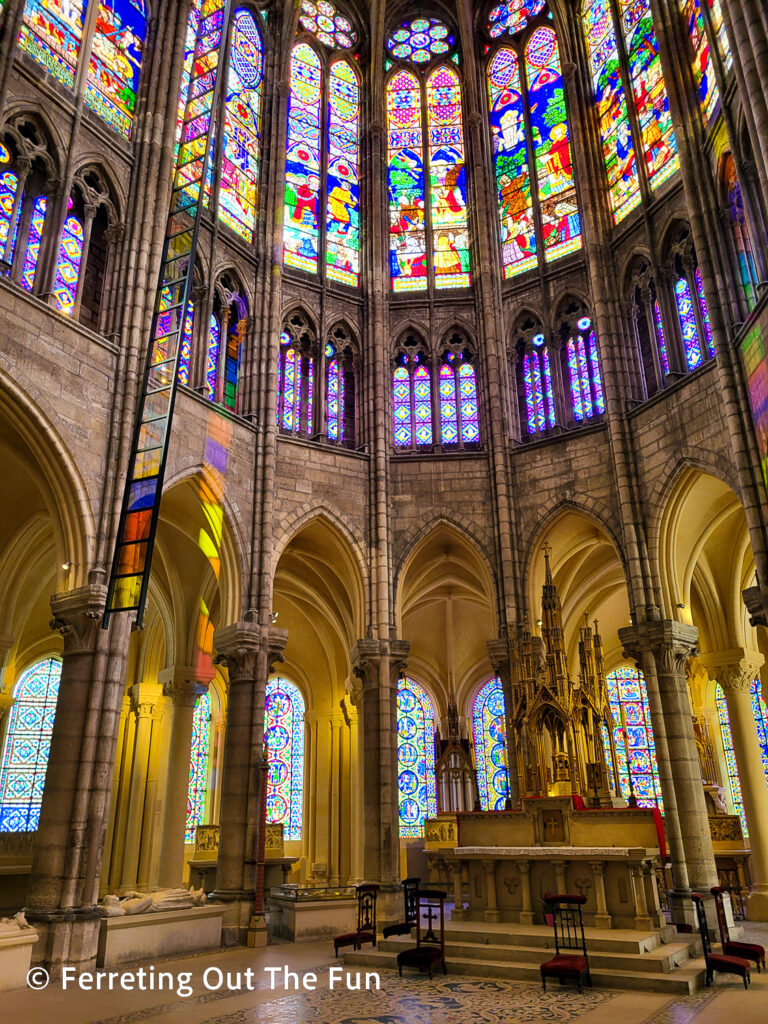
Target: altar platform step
631	960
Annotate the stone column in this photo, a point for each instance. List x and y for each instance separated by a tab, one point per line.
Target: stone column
735	671
527	914
183	686
602	918
458	913
491	912
145	698
642	918
334	803
560	867
248	651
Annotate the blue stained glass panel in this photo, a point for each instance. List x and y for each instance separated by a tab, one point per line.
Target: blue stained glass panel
470	426
115	64
284	739
407	231
401	403
489	737
36	227
68	265
688	325
760	713
415	758
730	757
212	359
635	747
198	766
704	310
51	32
422	405
449	412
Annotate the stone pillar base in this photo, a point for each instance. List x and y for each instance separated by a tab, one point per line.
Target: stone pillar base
644	923
65	940
389	905
681	907
237	915
603	921
258	933
527	917
757	904
458	915
493	916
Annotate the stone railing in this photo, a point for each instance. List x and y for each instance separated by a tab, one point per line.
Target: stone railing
310	894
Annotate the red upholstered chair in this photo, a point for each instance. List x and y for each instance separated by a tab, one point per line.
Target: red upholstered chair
366	920
717	961
411	901
746	950
429	950
570	959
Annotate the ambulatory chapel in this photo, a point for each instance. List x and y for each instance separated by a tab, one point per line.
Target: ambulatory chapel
383	477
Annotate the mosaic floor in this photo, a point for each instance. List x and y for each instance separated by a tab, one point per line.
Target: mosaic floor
410	1000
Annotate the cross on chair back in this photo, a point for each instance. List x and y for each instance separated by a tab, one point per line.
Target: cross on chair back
717	961
366	920
429	950
570	959
411	901
746	950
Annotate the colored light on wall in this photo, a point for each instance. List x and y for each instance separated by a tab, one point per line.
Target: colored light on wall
415	758
27	745
489	737
284	740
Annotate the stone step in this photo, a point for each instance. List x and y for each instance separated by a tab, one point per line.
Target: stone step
618	940
680	981
662	959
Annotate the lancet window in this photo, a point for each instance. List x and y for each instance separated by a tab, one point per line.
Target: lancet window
457	385
415	757
296	377
198	767
412	397
533	162
27	745
284	740
760	712
340	386
107	37
637	767
741	243
582	360
227	329
322	170
488	733
639	145
692	310
647	326
535	389
706	32
732	768
429	232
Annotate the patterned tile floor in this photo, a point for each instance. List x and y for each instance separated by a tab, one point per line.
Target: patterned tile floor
238	998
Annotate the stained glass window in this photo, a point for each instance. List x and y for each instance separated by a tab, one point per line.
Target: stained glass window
458	401
415	758
661	340
449	413
422	405
342	246
232	362
302	163
420	40
185	355
704	310
510	155
760	713
33	244
739	232
688	325
650	93
447	180
240	157
703	72
488	734
610	97
68	265
193	23
608	755
324	21
537	385
212	360
730	757
9	183
513	16
335	396
584	370
633	737
721	35
115	64
408	240
27	745
295	388
284	739
51	32
561	228
470	424
401	401
198	766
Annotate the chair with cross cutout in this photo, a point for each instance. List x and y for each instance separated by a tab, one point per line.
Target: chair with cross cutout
429	951
570	960
411	901
366	920
747	950
717	962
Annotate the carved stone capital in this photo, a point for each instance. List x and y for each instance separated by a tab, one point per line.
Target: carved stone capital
184	684
77	616
237	648
276	641
498	655
365	657
671	643
757	606
398	658
734	670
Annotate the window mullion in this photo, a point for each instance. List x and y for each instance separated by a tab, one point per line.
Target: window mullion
86	46
532	171
428	240
325	142
629	92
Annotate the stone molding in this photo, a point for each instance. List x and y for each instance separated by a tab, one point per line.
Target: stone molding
672	644
734	670
77	617
237	648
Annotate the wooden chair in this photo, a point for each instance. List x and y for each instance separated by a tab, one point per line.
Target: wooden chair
429	950
746	950
366	920
411	900
717	961
570	959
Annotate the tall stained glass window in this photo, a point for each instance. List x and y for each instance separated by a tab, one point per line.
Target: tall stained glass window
185	354
9	183
339	394
458	401
412	401
587	396
688	324
703	72
198	766
68	265
633	737
295	387
429	232
741	241
760	712
537	386
627	79
52	33
27	745
488	733
730	757
661	340
415	758
323	157
33	244
284	739
212	358
531	141
608	752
